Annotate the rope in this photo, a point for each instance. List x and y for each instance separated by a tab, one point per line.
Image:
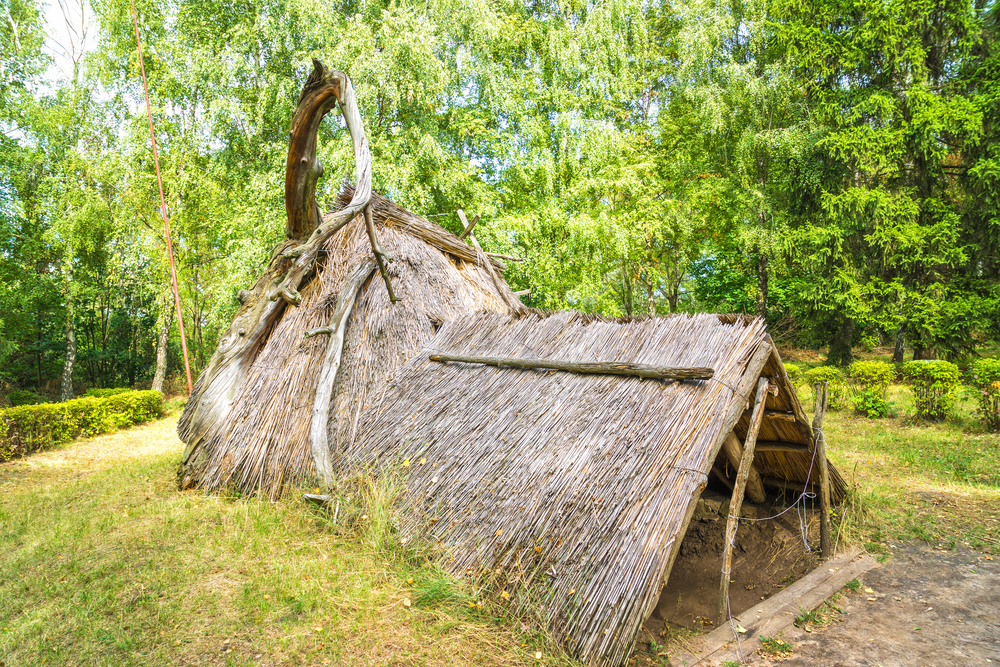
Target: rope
163	203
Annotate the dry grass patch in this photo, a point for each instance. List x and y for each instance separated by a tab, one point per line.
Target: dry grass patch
103	562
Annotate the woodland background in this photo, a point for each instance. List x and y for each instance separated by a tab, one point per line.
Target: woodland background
830	165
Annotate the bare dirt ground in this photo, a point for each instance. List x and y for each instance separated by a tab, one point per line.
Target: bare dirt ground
923	607
768	556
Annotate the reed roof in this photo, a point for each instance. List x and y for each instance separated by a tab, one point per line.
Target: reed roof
575	488
261	443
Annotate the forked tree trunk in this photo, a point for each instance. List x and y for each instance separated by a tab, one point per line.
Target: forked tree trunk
293	262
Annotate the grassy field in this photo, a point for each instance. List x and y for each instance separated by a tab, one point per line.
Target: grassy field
104	562
936	482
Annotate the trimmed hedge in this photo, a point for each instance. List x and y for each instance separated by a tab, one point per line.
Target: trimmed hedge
32	428
985	376
934	384
104	393
20	397
871	380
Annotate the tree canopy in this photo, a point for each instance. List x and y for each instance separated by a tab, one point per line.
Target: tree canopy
832	166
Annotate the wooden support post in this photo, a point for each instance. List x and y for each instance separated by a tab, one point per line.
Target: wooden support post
736	505
734	452
824	469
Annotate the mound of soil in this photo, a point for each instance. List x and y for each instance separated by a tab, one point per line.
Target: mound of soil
768	556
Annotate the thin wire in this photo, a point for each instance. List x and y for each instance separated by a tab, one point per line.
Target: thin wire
163	202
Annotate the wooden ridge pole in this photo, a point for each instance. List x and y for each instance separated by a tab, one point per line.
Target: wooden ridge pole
736	505
821	390
594	367
163	203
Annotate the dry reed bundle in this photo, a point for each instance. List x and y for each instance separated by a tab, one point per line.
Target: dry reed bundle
263	444
576	488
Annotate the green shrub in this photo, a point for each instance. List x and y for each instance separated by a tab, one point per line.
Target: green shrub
104	393
836	385
31	428
934	384
794	373
985	376
871	380
20	397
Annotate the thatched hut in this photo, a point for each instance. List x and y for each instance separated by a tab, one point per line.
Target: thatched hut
569	469
575	490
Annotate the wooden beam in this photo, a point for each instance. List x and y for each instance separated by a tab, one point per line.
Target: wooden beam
778	483
467	226
780	446
509	258
722	477
734	452
594	367
737	502
523	292
318	424
825	546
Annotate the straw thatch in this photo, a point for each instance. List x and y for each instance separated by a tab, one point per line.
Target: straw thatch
261	444
576	489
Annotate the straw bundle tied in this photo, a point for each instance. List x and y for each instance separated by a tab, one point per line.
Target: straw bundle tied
576	487
263	443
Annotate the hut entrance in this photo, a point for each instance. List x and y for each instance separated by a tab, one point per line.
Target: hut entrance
768	556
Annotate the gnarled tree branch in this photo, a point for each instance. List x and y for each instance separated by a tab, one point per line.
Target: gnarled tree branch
292	263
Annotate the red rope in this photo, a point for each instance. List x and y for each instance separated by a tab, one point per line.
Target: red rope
163	203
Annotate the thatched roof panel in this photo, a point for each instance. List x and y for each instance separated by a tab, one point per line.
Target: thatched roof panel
575	487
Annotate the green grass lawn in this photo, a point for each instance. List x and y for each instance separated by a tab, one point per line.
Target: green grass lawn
104	562
936	482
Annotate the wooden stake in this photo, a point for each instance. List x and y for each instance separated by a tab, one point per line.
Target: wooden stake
736	505
595	367
821	389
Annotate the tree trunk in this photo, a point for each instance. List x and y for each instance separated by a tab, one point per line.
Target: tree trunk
66	391
166	319
897	353
762	275
840	347
651	296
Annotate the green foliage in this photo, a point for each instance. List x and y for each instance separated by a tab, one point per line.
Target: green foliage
20	397
934	384
795	373
96	392
985	376
31	428
837	391
775	645
871	380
